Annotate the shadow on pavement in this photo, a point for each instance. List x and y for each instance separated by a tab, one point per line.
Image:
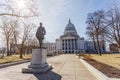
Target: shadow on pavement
50	75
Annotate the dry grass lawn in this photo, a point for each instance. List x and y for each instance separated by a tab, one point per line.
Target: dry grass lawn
14	58
109	59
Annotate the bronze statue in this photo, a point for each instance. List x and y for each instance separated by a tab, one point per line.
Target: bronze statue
40	34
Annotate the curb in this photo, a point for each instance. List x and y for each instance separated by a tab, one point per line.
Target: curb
13	63
99	75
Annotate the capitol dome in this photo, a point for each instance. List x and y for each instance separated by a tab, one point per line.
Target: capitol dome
70	29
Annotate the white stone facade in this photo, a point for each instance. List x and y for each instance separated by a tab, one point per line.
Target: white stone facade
70	42
51	48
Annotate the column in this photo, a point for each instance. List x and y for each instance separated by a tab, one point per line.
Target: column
64	45
74	44
67	46
71	45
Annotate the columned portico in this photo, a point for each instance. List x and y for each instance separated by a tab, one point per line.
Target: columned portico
69	45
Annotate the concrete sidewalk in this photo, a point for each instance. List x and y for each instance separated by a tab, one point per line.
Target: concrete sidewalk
66	67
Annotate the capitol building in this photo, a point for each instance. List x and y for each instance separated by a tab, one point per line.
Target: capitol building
70	42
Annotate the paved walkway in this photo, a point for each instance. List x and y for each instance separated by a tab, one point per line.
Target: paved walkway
66	67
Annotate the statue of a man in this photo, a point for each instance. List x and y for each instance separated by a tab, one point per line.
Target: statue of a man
40	34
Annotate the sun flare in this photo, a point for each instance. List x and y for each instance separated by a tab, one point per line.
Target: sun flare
23	7
21	4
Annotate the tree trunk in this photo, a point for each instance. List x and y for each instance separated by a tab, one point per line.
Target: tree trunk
7	47
21	51
21	55
10	51
99	50
94	44
118	48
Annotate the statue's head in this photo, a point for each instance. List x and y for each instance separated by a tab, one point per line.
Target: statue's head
41	24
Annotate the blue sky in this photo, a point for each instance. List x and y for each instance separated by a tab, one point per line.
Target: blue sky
55	14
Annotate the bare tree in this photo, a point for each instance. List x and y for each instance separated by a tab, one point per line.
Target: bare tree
11	10
22	37
91	34
6	31
14	39
113	30
95	22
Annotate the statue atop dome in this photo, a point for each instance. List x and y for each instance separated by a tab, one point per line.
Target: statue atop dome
69	20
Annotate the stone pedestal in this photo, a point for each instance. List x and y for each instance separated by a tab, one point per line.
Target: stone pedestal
38	62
